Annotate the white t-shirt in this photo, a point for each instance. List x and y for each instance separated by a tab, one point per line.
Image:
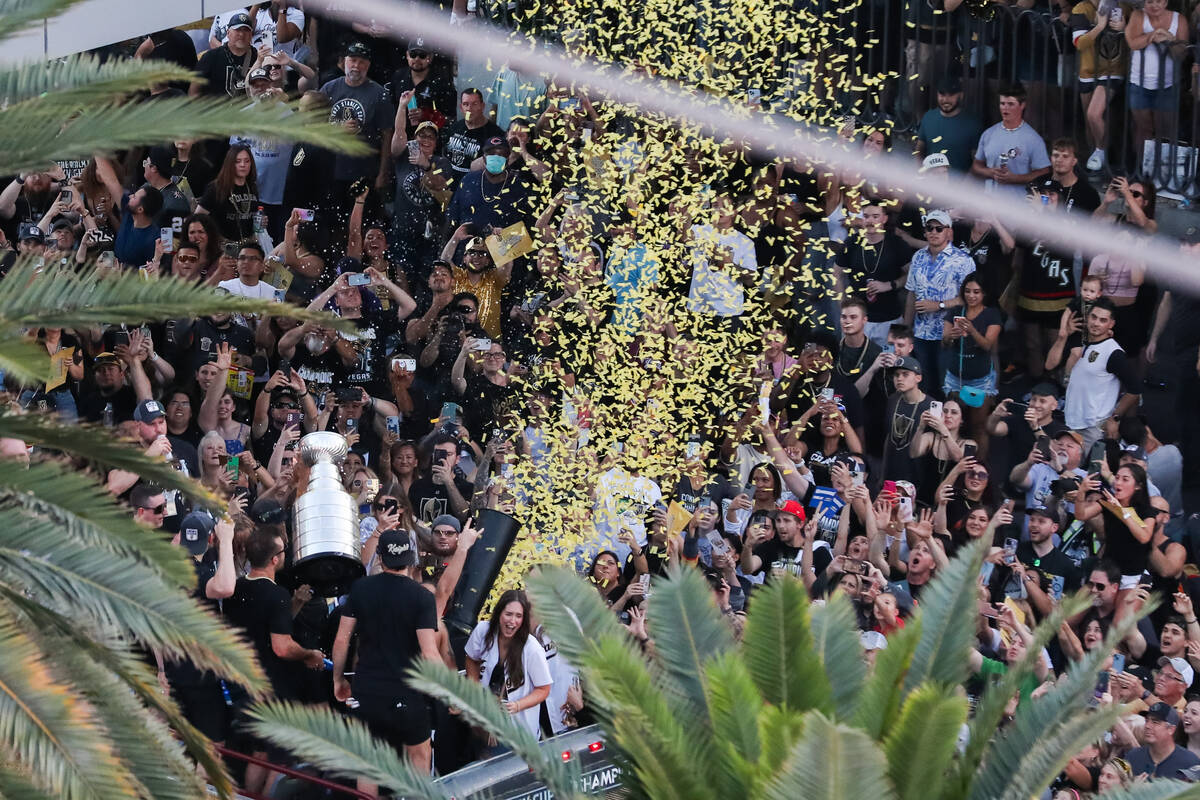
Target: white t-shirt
259	291
533	661
717	291
622	501
264	26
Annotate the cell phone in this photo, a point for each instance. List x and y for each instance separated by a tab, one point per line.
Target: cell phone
754	96
827	394
121	338
167	237
304	214
1097	456
935	407
393	425
693	450
451	411
719	545
889	348
414	148
857	478
1147	580
231	249
292	419
285	366
232	465
406	364
351	426
1010	550
1043	447
1118	663
1101	687
64	196
358	279
569	104
970	449
853	568
889	487
411	105
644	578
988	610
1017	404
483	345
906	509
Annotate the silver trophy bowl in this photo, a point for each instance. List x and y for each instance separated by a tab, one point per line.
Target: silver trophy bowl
326	548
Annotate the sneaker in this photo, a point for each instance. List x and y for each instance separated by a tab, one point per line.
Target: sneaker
1096	160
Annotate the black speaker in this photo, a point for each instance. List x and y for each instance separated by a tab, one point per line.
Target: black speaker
498	531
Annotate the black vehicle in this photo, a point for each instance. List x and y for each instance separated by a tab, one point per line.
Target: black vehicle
506	777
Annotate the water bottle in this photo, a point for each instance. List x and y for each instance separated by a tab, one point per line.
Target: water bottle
169	334
108	416
260	217
225	693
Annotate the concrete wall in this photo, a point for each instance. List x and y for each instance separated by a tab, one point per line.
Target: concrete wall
95	23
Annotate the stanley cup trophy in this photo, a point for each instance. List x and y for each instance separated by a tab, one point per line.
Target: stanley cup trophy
325	552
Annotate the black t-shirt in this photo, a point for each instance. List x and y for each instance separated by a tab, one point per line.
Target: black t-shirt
987	251
481	403
966	358
435	92
224	73
261	608
801	395
462	145
1047	281
370	371
193	175
1080	197
775	553
430	500
1058	573
852	362
175	209
902	418
183	673
321	371
389	610
1119	545
206	336
234	214
884	262
92	403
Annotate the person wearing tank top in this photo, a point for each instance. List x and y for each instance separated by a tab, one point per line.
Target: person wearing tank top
1097	373
1158	38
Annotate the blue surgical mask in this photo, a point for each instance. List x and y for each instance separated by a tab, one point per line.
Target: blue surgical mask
494	164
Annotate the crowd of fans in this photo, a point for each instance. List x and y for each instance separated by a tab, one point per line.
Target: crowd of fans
973	385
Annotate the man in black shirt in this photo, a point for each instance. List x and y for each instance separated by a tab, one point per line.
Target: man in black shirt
1077	195
263	610
875	264
157	171
223	70
396	621
443	492
207	332
432	92
1045	571
107	398
785	552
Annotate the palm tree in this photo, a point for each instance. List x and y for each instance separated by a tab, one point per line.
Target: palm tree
83	590
792	711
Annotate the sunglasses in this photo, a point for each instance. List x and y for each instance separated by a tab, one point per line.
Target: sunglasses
186	259
464	309
978	475
158	509
273	67
418	54
477	252
291	406
934	228
1099	587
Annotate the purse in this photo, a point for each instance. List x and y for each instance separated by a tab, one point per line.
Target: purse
970	395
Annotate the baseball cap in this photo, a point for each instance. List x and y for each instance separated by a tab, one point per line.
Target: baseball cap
258	74
1078	437
418	47
194	530
936	215
1045	186
1049	512
160	158
496	143
1191	235
62	223
1161	711
1184	669
240	20
447	520
266	512
396	550
27	231
933	161
106	358
359	50
1044	389
873	640
793	508
909	363
949	84
426	124
477	243
1136	451
148	411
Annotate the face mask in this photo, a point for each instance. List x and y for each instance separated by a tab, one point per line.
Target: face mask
314	343
494	164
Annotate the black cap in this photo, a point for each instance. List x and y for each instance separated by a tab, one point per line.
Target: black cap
1045	186
909	363
1045	389
240	20
497	143
395	549
267	512
418	47
148	411
1163	712
1050	512
194	530
258	74
160	158
359	50
28	231
949	84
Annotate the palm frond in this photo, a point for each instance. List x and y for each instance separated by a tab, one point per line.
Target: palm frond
832	762
671	754
883	691
779	731
572	611
778	649
1026	757
734	703
81	78
136	677
90	515
31	137
24	360
48	729
688	630
18	15
480	707
1159	789
16	785
99	444
69	299
37	556
948	607
920	746
836	642
340	745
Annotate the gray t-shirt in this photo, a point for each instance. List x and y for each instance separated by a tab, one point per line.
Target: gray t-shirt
1165	468
1023	150
371	106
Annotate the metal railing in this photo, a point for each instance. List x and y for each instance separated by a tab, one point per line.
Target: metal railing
327	785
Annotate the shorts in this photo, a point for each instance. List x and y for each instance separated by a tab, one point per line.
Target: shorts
988	384
1143	99
400	717
1112	84
1130	581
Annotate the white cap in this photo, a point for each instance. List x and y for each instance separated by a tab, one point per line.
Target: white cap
933	161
